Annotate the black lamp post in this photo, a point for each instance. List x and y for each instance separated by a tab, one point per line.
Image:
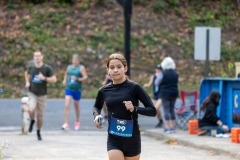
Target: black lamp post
127	7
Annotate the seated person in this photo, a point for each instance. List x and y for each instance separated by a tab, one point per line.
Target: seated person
210	120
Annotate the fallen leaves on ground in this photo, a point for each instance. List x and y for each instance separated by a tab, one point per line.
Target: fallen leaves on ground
171	141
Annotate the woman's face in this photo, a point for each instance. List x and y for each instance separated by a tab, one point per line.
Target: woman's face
75	61
117	70
157	70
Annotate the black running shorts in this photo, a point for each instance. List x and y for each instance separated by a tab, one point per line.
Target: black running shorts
128	149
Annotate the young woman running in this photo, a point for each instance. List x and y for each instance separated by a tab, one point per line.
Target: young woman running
122	99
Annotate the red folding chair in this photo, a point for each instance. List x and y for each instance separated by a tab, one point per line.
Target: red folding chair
188	108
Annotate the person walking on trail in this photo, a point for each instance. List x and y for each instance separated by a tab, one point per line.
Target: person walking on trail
157	99
74	76
122	99
38	76
210	120
107	80
168	92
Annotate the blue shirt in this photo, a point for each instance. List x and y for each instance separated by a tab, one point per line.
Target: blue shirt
158	80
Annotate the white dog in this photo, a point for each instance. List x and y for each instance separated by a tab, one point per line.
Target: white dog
25	115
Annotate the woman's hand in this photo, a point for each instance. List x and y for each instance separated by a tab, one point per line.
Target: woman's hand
96	122
225	128
129	105
27	85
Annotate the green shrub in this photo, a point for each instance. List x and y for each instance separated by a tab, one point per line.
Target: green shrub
159	5
173	3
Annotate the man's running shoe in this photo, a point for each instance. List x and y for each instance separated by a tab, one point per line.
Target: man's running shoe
77	126
65	126
39	136
31	125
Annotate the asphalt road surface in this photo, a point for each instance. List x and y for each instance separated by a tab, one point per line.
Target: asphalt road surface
88	144
11	113
91	145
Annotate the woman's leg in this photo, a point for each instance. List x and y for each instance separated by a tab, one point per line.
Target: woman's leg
166	110
172	113
205	131
219	129
67	107
132	158
157	104
115	155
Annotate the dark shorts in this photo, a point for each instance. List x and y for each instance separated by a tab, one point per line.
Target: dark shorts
129	150
156	96
76	95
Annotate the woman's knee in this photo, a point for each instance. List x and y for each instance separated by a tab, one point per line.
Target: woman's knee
172	113
132	158
173	117
167	116
76	102
67	101
115	154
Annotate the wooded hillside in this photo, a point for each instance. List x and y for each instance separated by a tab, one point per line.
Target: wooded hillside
94	29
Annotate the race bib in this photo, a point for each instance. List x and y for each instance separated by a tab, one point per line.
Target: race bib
71	81
121	127
35	79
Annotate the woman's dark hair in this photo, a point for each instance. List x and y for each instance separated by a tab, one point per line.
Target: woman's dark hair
213	97
121	58
117	56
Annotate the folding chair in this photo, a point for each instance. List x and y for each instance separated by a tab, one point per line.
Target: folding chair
187	110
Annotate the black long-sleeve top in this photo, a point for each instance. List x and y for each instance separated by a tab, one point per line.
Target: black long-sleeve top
115	94
210	117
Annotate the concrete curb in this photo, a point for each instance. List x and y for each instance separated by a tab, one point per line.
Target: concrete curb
163	136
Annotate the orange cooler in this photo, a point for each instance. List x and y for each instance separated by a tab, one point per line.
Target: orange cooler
193	127
235	133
